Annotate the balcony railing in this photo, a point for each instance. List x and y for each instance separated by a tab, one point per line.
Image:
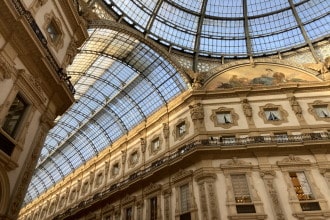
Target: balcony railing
212	142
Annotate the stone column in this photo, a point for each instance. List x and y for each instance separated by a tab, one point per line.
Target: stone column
207	196
268	178
167	204
46	122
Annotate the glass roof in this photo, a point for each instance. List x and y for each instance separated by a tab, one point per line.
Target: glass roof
228	28
119	81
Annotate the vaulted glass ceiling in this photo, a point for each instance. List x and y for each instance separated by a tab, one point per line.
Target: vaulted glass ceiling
119	82
228	27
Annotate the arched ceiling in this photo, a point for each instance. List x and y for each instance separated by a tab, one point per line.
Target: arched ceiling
228	28
119	82
121	78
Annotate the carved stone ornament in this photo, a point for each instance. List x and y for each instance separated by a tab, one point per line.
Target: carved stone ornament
292	160
196	111
152	188
166	130
128	199
70	53
143	145
321	67
198	81
86	11
236	163
123	156
5	69
182	174
295	106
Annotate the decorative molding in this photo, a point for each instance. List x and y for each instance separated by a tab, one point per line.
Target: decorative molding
150	147
152	187
175	130
268	178
235	163
6	70
292	160
128	200
197	116
50	18
182	175
132	163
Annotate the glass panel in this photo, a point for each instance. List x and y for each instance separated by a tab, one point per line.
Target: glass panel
184	198
14	115
155	144
272	115
322	111
153	208
224	118
301	186
241	188
129	213
181	129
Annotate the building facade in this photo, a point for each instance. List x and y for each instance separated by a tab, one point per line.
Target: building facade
38	40
247	142
164	110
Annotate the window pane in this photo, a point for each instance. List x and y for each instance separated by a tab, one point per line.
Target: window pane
153	208
14	115
184	196
241	188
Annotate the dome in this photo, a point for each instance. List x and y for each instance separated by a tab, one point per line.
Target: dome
227	28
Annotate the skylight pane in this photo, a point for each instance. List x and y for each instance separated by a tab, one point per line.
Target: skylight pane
272	24
261	7
135	11
225	8
279	41
151	103
171	34
309	9
316	29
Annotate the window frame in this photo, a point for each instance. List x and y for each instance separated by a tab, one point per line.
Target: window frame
312	110
297	164
17	128
240	167
180	136
224	110
282	114
57	42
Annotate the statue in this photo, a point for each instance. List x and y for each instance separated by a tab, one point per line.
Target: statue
247	108
166	130
321	67
198	81
295	106
196	111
